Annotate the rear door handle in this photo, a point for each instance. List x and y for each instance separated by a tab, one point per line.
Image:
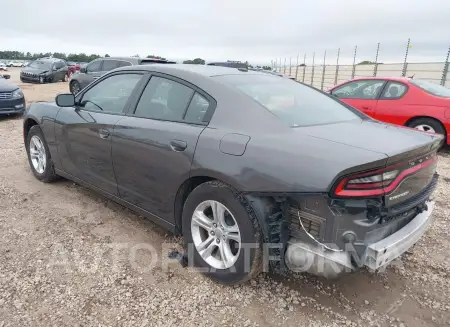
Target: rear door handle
103	133
178	145
366	108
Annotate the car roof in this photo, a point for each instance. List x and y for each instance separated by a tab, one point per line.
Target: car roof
205	70
390	78
49	59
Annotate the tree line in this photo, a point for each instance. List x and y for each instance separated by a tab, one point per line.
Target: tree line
82	57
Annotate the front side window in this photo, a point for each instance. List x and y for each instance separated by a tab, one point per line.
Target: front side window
164	99
364	89
111	94
94	67
434	89
293	103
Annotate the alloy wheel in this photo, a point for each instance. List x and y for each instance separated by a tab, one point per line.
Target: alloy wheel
216	234
425	128
37	154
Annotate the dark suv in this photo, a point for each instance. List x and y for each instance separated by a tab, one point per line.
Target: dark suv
100	66
44	70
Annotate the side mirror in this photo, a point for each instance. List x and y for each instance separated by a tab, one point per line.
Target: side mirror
65	100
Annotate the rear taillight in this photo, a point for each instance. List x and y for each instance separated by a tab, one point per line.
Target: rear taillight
380	181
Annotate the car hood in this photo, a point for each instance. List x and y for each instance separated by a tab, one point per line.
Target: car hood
375	136
6	86
34	70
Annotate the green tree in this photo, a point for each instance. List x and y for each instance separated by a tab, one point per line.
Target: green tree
107	56
196	61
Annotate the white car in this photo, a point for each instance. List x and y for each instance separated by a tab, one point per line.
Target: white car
15	64
3	66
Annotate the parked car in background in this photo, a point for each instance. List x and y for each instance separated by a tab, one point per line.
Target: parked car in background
3	66
403	101
238	160
15	64
72	68
45	70
12	100
230	64
100	66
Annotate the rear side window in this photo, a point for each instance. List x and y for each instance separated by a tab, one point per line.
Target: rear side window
109	65
434	89
394	90
293	103
121	63
197	109
164	99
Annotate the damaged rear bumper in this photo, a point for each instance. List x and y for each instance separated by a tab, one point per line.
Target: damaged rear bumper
324	260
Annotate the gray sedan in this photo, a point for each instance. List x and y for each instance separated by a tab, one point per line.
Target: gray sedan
244	165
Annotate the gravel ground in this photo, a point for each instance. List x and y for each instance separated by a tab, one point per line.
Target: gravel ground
69	257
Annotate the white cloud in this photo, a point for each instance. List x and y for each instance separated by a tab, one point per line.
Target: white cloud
238	30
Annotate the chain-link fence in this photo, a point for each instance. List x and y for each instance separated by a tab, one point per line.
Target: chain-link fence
324	76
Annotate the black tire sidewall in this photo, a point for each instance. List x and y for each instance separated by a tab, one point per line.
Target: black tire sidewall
248	227
48	173
427	121
72	83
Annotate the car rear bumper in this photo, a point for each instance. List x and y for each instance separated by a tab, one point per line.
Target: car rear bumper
383	252
12	106
327	261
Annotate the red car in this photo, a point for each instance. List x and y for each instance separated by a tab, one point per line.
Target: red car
403	101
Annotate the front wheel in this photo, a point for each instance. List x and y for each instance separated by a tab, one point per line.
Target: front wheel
41	163
41	79
222	234
74	87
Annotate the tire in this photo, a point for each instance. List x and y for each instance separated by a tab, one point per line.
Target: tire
42	80
47	175
244	264
424	123
74	87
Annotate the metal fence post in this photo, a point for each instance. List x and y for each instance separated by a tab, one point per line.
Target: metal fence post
354	59
337	67
405	64
284	66
312	73
304	68
375	68
445	71
290	65
323	71
296	68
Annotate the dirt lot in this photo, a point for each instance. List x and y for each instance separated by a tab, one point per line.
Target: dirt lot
68	257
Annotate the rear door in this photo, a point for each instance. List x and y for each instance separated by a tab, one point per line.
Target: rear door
361	94
391	106
153	147
83	133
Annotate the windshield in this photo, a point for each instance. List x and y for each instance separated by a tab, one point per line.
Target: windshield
293	103
40	65
435	89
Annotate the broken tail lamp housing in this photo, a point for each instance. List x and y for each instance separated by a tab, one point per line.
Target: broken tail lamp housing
381	181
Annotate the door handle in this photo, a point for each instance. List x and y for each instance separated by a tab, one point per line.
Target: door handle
366	108
177	145
103	133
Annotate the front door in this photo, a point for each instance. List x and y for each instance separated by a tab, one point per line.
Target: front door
360	94
392	105
153	147
83	133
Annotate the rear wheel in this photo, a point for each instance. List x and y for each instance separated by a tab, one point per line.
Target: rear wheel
223	232
427	125
41	163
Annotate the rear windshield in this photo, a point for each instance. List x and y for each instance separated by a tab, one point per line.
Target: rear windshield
435	89
293	103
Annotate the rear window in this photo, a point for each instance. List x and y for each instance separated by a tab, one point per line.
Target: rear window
293	103
434	89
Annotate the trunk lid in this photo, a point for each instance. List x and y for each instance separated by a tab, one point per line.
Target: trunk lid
414	149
